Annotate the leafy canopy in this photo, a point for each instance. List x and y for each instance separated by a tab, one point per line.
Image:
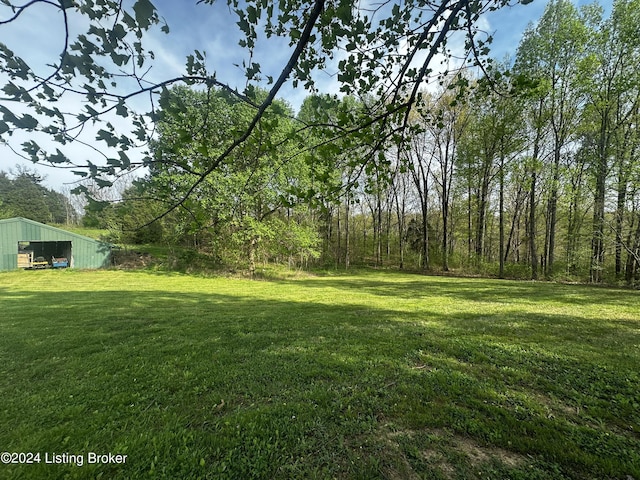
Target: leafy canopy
384	52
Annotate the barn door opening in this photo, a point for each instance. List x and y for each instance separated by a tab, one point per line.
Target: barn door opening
51	254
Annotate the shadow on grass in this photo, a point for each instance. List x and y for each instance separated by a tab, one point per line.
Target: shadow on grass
229	386
479	290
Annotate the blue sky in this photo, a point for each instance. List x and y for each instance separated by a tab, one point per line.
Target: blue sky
212	29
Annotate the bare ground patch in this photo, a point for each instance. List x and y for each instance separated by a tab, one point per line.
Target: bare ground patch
442	452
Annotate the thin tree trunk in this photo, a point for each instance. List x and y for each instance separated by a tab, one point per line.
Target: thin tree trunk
425	238
620	208
633	252
553	214
597	241
339	235
347	233
514	222
501	215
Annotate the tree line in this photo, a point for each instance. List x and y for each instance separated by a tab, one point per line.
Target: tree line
525	169
22	194
529	170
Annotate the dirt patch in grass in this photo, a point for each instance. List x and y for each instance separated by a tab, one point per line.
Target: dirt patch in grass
478	454
444	453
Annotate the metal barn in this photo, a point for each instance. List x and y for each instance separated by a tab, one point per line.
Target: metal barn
25	243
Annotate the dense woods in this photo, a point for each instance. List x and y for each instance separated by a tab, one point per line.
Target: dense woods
530	170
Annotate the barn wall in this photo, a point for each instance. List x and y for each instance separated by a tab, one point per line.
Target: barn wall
8	232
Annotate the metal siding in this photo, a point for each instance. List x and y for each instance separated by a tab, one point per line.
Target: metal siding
86	252
9	232
30	232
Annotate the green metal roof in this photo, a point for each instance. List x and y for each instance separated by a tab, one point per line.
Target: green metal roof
86	252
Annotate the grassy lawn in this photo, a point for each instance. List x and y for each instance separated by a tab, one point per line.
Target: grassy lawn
375	375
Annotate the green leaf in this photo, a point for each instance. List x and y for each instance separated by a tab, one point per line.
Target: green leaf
344	12
13	90
203	150
58	157
27	122
129	21
31	148
126	163
244	25
121	109
252	14
103	183
107	137
120	60
145	13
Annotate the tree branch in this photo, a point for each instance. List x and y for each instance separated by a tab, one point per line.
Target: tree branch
284	75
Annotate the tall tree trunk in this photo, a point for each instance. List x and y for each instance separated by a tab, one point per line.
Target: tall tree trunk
388	214
574	219
553	214
481	225
401	214
501	214
445	227
364	231
634	250
620	206
515	222
425	237
379	228
253	245
597	240
347	232
533	251
339	235
469	222
620	210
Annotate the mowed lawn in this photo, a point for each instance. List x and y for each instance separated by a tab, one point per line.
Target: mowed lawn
374	375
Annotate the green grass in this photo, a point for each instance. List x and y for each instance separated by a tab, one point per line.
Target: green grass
375	375
95	233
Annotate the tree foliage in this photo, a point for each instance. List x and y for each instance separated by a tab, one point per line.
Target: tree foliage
385	52
530	166
23	195
245	206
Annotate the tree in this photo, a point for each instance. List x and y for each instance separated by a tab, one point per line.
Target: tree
335	164
401	190
614	96
419	156
494	139
447	128
105	69
478	154
552	51
25	196
246	200
533	91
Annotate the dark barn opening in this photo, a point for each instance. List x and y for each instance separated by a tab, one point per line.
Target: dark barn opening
48	250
